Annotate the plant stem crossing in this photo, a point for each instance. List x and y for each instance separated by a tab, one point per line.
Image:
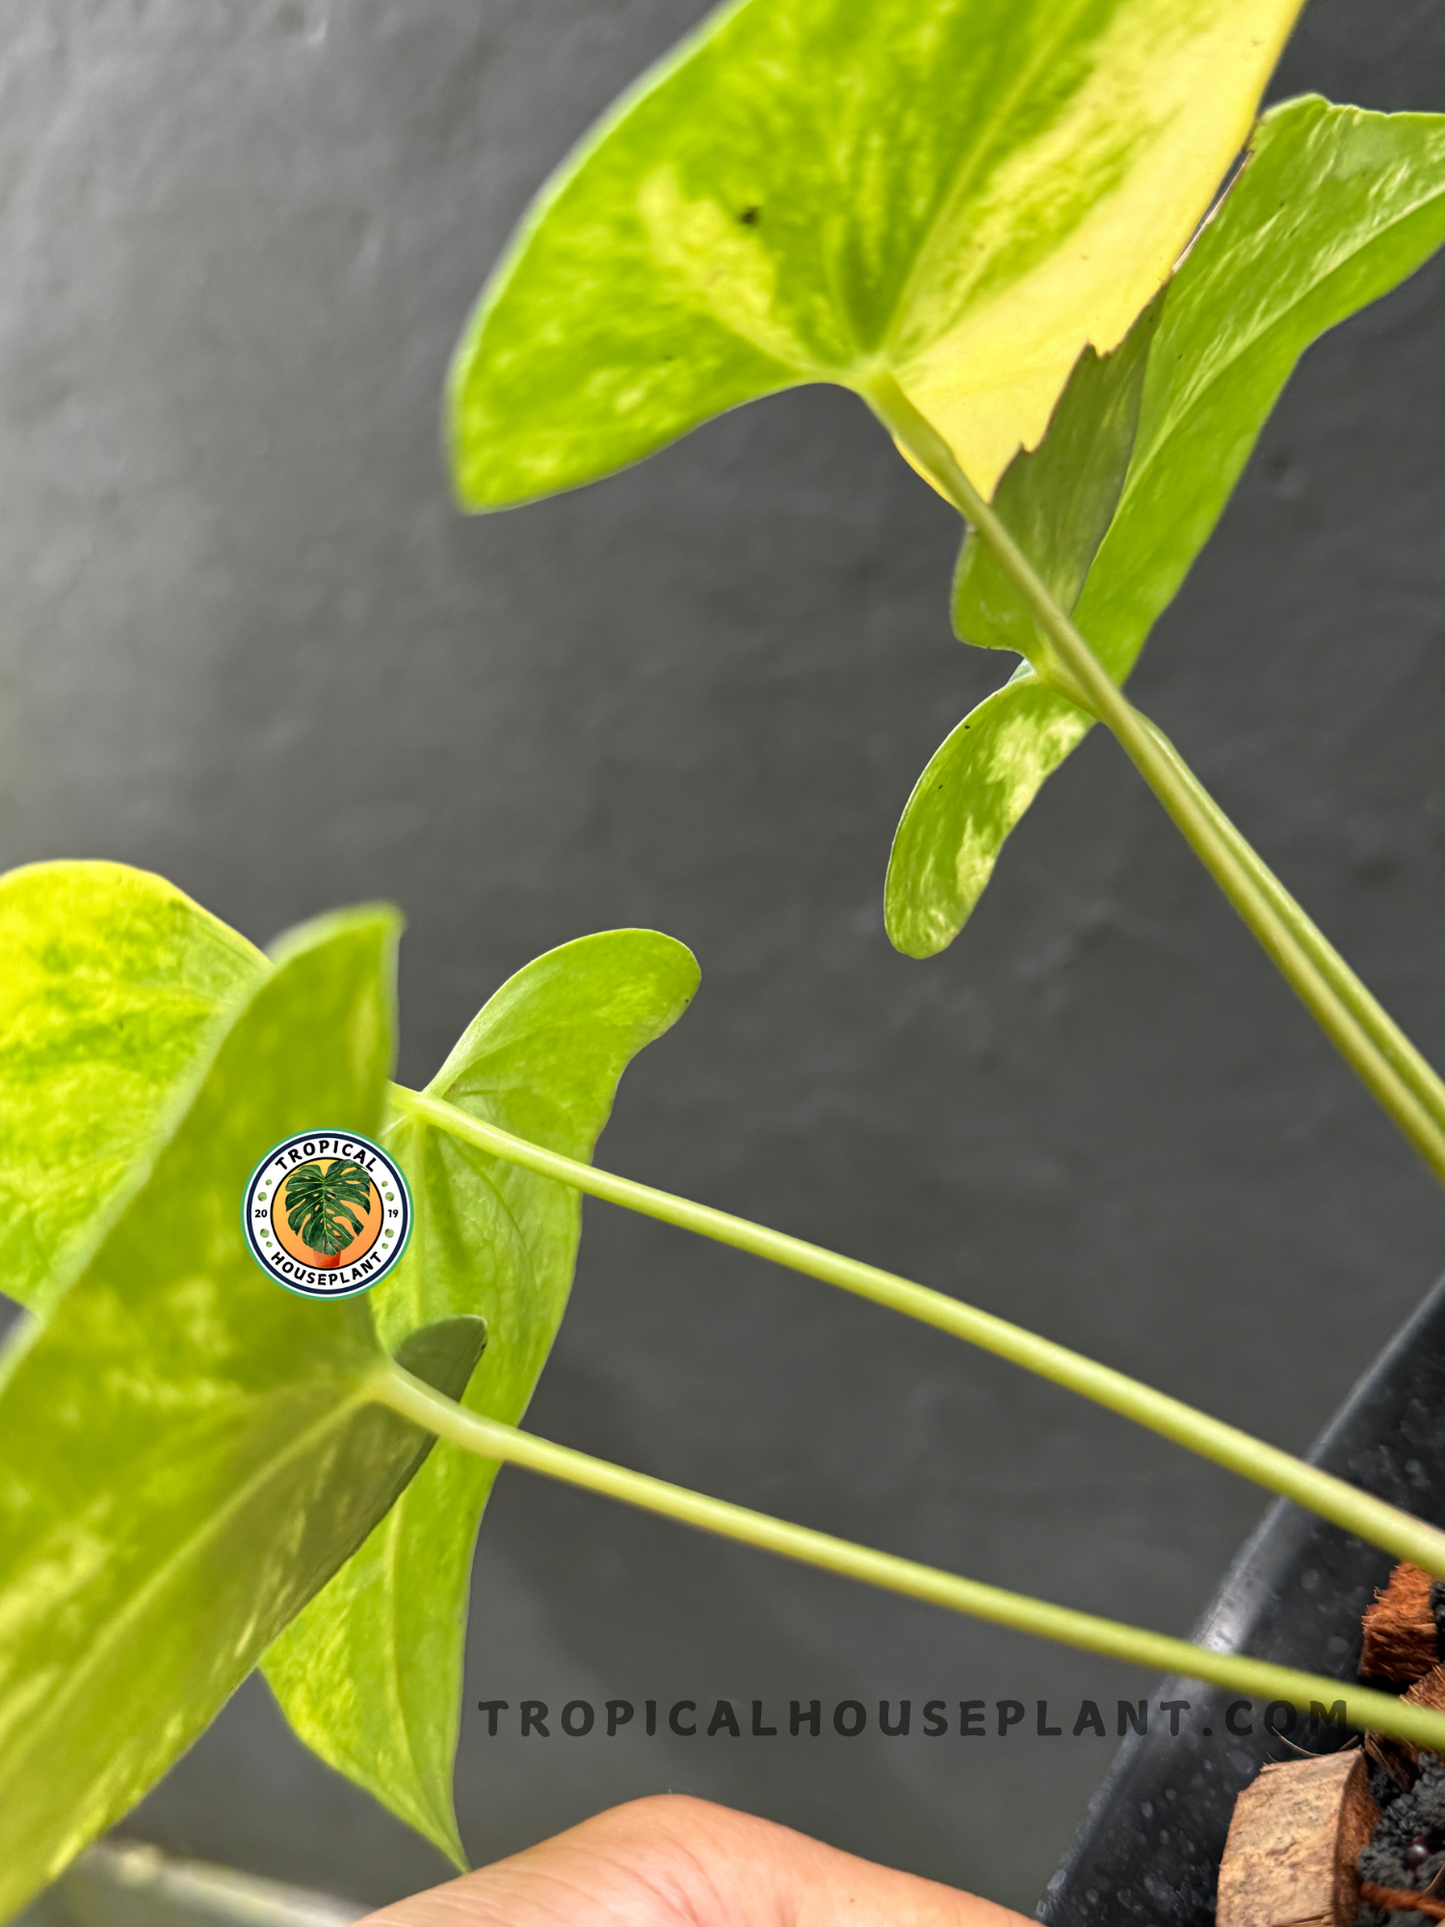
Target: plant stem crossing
489	1439
1320	1492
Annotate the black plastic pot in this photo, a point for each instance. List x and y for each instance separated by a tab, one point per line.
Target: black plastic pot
1149	1848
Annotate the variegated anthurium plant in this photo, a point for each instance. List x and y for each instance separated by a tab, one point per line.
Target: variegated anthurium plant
1025	236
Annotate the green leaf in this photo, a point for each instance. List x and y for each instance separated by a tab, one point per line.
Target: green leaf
111	985
961	193
187	1452
1334	208
370	1674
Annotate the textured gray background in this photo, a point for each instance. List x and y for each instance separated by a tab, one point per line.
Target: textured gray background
239	237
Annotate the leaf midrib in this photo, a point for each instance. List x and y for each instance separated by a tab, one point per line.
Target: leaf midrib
498	1123
965	175
445	1823
393	1646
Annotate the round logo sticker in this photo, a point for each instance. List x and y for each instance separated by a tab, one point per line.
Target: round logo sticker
327	1213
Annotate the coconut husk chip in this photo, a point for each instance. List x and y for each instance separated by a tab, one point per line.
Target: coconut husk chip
1401	1642
1293	1857
1294	1844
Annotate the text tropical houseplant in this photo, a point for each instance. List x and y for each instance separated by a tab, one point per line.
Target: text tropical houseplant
984	216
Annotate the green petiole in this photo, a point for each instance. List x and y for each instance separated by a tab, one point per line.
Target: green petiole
1395	1073
1380	1712
1320	1492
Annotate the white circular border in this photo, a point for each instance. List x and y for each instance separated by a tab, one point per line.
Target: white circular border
277	1263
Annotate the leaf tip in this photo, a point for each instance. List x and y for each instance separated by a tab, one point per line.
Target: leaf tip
383	921
440	1828
915	936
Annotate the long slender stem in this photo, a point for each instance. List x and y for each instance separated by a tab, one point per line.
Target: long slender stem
1417	1071
1390	1067
1358	1512
491	1440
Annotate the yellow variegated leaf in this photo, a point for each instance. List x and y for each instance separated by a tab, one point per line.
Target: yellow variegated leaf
959	193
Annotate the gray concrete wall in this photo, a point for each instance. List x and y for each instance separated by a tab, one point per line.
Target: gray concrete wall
239	240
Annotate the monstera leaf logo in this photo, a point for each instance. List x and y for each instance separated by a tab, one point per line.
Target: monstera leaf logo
319	1201
327	1213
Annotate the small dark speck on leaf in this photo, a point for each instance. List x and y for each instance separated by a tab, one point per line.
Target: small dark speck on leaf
750	216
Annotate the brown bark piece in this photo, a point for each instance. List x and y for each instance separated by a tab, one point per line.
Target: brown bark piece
1400	1638
1296	1835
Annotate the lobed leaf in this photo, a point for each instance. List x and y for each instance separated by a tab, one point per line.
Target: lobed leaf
1334	208
962	193
370	1674
1058	504
209	1453
111	985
